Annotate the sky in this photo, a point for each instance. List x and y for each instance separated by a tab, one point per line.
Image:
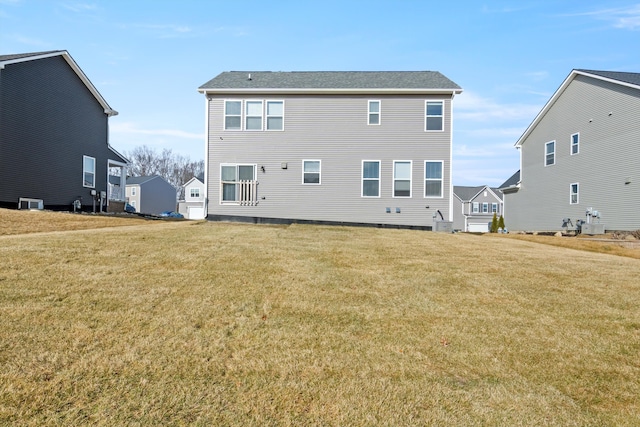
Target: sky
147	58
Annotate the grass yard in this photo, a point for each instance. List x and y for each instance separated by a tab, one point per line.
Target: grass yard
196	323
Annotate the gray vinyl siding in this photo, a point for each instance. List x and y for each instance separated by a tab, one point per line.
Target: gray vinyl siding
334	129
608	155
464	209
48	120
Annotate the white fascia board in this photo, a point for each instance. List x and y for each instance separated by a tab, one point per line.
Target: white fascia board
316	91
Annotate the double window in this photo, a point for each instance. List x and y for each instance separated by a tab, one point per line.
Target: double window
575	143
433	179
550	153
573	193
370	178
311	172
434	120
402	178
254	113
234	178
374	112
89	171
194	193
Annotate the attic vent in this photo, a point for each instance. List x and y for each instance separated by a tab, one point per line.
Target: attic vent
249	77
26	203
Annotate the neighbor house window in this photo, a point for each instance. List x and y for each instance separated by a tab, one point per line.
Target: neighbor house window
232	115
194	193
550	153
433	179
573	194
494	207
434	115
253	115
402	179
485	207
275	115
370	178
230	177
311	171
133	191
476	207
374	112
575	143
89	171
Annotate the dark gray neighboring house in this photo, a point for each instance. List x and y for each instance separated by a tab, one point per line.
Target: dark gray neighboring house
151	194
332	147
54	134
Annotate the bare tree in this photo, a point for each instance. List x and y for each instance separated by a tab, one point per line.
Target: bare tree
175	168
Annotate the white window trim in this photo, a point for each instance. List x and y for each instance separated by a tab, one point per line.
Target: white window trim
496	208
379	113
379	179
266	115
393	181
485	207
441	180
85	171
247	116
554	153
571	144
224	118
577	193
133	191
319	172
475	207
234	202
427	116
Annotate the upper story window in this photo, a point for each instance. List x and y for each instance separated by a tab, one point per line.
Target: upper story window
275	115
256	115
485	207
575	143
89	171
232	115
311	171
433	179
434	116
370	178
133	191
253	115
550	153
374	112
476	207
194	193
494	207
573	193
401	179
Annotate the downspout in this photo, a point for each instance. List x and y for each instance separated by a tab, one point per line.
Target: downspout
453	94
205	203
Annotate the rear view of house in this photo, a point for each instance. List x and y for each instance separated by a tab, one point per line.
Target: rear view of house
337	147
54	147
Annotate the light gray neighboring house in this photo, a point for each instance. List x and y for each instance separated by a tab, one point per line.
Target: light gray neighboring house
151	194
193	205
473	207
581	153
333	147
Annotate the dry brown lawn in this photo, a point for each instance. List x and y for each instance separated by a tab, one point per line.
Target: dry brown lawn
196	323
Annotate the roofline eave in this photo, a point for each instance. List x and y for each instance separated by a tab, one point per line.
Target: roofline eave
331	91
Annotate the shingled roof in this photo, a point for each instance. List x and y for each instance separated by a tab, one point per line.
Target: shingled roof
625	77
308	81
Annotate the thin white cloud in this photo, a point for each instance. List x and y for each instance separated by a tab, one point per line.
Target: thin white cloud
626	18
29	41
164	31
469	106
79	7
130	128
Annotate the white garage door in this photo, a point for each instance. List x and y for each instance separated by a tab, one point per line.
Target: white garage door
194	212
481	227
